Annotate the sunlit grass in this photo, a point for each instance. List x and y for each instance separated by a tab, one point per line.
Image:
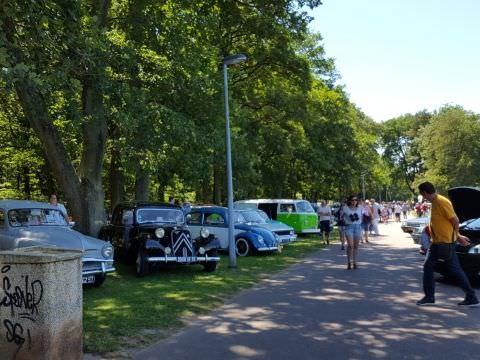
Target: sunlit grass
125	305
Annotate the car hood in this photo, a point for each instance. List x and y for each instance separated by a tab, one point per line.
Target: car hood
58	236
267	234
274	226
465	201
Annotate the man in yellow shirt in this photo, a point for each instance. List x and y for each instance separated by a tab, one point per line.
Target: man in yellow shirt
444	232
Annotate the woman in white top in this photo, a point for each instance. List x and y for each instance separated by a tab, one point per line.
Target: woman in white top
352	216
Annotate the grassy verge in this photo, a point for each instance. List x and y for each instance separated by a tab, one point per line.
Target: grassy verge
126	309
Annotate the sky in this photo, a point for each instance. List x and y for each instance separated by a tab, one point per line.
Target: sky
403	56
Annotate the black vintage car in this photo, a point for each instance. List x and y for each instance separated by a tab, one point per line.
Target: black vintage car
153	233
466	202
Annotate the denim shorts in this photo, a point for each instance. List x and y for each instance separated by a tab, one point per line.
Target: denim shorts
353	230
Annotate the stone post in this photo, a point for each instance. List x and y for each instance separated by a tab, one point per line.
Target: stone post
41	304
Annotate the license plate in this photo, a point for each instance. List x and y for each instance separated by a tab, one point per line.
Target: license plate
90	279
185	259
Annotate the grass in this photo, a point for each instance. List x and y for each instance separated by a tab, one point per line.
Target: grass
127	311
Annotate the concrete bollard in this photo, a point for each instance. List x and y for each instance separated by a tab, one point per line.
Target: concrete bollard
41	304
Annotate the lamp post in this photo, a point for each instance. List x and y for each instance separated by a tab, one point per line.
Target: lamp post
232	256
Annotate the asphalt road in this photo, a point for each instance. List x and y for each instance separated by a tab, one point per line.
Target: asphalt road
318	309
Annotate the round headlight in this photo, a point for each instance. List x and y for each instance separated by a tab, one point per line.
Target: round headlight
201	251
159	233
260	239
204	233
107	251
167	251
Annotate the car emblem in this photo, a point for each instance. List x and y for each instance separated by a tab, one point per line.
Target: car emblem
182	239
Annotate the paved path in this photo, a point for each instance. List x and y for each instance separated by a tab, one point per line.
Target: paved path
319	310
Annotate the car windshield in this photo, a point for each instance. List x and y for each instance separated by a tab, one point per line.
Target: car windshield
238	218
36	217
305	207
471	224
253	216
263	215
152	215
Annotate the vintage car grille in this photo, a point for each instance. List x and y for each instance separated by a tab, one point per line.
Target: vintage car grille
182	243
91	265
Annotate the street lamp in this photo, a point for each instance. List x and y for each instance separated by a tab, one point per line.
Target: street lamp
232	256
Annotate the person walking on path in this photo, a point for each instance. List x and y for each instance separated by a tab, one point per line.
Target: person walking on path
341	224
366	219
324	216
444	232
376	213
352	216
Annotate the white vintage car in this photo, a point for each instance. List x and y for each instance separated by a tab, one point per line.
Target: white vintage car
28	223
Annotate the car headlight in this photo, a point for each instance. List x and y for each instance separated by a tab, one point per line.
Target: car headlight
107	251
260	239
204	233
474	249
201	251
160	233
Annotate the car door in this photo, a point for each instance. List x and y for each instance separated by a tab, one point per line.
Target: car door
216	223
195	223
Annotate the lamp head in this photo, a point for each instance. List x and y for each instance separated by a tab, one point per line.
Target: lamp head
234	59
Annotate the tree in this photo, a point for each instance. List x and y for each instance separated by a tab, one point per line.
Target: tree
450	148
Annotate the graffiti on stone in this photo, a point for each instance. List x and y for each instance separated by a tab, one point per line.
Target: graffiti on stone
21	299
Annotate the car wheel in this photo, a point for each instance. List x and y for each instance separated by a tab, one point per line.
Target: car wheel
141	263
99	279
211	266
243	247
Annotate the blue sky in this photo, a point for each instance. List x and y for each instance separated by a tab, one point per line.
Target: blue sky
403	56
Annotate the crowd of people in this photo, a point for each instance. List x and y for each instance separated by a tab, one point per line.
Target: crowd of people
357	219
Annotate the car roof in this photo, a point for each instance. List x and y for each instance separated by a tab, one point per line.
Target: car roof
210	207
280	201
24	204
137	204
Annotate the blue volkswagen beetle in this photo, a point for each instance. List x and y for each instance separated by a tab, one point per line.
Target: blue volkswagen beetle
249	238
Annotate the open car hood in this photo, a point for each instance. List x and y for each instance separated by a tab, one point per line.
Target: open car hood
466	202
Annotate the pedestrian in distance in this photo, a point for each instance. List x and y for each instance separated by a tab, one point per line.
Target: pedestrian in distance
444	231
53	200
376	213
352	216
324	216
171	199
367	214
341	224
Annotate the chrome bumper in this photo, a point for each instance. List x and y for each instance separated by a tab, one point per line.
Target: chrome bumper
311	231
181	259
106	266
268	248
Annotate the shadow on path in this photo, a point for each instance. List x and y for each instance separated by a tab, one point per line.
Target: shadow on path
319	310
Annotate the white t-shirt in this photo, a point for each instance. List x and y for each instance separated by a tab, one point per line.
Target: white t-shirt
324	210
375	207
352	219
398	209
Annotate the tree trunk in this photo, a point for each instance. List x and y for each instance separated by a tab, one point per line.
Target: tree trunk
116	181
217	184
142	185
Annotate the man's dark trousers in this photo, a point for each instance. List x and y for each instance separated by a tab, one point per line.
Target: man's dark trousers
447	253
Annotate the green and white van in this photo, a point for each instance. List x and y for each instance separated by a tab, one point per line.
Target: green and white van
299	214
